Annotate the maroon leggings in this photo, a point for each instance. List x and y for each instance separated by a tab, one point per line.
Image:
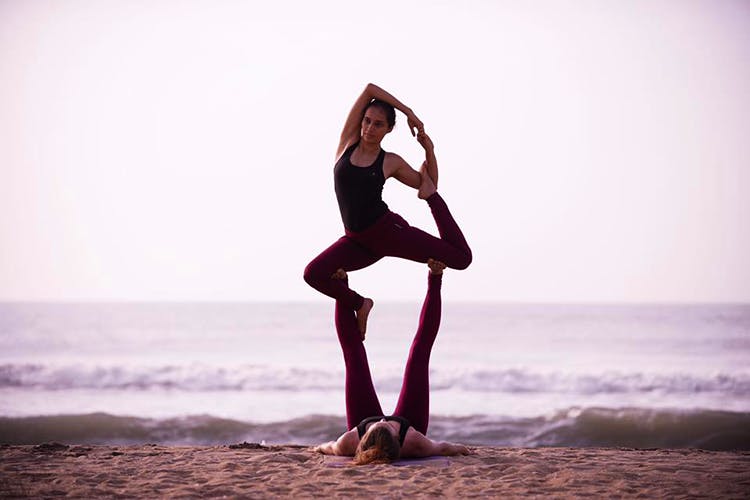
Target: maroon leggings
414	399
391	236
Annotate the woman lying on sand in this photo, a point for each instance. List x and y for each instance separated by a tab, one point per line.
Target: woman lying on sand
372	437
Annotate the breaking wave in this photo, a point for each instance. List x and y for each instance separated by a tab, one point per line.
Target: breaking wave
575	427
198	377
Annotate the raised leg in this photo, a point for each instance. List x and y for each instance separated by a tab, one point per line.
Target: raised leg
361	398
395	237
414	399
449	232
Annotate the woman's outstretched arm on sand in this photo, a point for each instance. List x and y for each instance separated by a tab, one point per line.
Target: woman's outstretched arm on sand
345	445
417	445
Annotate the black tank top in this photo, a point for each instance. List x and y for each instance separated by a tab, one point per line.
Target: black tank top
362	426
359	191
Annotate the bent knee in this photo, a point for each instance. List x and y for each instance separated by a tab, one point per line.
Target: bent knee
464	261
316	273
310	275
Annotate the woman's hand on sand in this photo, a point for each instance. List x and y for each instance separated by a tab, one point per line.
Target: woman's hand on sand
464	450
325	448
450	449
458	449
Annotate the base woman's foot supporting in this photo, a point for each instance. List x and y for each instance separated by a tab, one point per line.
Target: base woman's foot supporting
436	267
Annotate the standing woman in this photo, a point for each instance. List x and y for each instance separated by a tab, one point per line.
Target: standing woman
372	231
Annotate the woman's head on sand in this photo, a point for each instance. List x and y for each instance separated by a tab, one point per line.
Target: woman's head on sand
379	445
378	120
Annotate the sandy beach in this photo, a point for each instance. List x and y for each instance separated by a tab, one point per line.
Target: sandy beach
254	471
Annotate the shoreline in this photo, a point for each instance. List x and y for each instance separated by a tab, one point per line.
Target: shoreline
595	427
249	469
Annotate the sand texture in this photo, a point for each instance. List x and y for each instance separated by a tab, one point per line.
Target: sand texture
252	471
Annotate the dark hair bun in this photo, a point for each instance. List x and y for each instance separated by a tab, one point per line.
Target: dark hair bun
390	112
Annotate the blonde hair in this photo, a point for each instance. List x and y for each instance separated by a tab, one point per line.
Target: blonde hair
377	446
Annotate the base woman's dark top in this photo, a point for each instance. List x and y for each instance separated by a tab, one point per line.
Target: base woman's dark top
362	426
359	191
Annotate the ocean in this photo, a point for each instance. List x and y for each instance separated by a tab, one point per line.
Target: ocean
640	376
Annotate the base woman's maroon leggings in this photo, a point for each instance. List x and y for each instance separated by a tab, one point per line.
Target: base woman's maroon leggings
414	399
390	236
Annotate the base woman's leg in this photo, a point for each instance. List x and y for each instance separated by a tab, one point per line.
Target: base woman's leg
361	398
414	399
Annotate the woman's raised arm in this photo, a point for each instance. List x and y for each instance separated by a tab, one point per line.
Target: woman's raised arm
351	131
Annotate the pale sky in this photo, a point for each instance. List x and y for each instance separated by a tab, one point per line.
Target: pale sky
592	151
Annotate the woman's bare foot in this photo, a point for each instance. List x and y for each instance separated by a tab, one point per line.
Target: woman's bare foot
362	314
363	311
427	188
436	267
